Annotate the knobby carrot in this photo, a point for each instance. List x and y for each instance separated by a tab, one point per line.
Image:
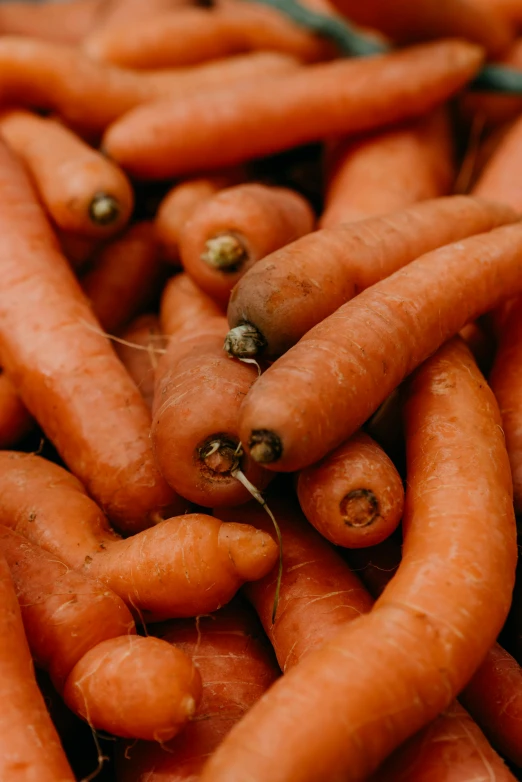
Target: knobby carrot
197	397
67	373
345	96
388	170
499	180
139	352
67	22
184	304
15	421
232	230
275	303
83	192
184	566
358	355
31	748
236	668
467	558
354	497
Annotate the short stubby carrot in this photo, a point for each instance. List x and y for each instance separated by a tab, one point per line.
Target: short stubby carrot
197	397
388	170
68	22
354	497
236	667
66	373
172	138
15	421
499	180
31	749
321	391
82	190
139	349
467	558
276	302
184	304
232	230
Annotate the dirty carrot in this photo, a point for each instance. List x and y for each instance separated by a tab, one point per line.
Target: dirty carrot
354	497
139	351
68	22
15	421
351	724
275	304
499	180
184	304
388	170
170	138
236	227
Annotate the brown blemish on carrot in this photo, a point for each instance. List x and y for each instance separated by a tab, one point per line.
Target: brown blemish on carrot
359	508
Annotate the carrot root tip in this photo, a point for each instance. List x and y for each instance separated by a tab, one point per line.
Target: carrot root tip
219	455
244	341
265	446
104	209
359	508
226	253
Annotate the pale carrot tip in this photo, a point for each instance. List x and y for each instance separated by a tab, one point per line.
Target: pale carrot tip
265	446
104	209
244	341
359	508
252	551
226	253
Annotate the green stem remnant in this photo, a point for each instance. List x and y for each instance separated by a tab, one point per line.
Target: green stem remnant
104	209
226	252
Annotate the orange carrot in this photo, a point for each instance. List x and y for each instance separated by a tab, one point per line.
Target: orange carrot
358	355
184	304
82	191
120	12
184	566
351	724
482	344
31	748
170	138
236	667
510	10
67	22
77	249
354	497
15	421
66	373
275	304
388	170
230	231
139	352
499	181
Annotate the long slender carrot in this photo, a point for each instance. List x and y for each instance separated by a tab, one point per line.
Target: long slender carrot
275	303
230	231
139	352
389	170
66	372
499	180
82	190
169	139
68	22
15	421
354	497
183	304
31	748
466	559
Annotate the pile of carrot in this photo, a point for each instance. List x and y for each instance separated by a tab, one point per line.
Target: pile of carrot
260	390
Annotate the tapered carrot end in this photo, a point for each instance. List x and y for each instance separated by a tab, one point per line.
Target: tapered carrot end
252	551
104	209
265	446
225	252
244	341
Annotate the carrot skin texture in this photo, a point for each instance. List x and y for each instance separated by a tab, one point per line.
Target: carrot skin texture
415	309
354	497
184	304
498	180
64	369
260	217
276	295
31	748
67	23
143	332
418	617
316	102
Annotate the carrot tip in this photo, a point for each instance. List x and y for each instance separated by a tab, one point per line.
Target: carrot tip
244	341
265	446
359	508
219	455
226	253
104	209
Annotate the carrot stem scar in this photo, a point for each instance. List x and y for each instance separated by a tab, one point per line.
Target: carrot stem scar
225	252
265	446
244	341
359	508
104	209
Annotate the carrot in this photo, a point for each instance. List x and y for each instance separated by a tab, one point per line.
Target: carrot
498	180
482	344
184	566
66	373
193	35
376	565
77	249
197	397
82	633
354	497
389	170
31	748
230	231
510	10
385	333
236	668
490	108
124	276
82	191
168	138
67	22
184	304
351	724
15	421
275	304
139	352
120	12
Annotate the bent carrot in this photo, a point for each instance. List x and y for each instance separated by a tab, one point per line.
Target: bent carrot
498	180
82	191
31	748
68	22
49	343
275	302
385	333
183	304
15	421
388	170
139	352
169	139
418	616
230	231
354	497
